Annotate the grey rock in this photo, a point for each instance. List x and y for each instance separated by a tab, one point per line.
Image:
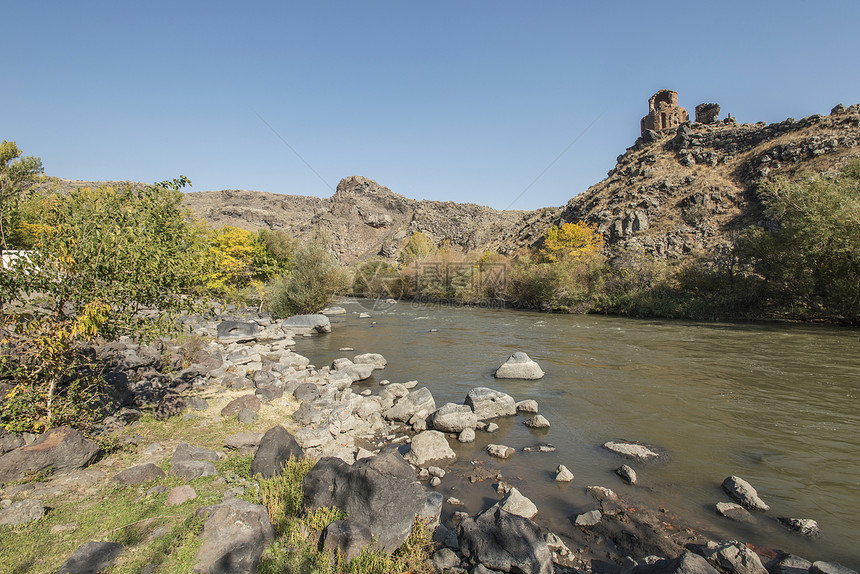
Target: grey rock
506	542
61	448
268	393
453	418
91	558
803	526
788	564
348	537
466	436
734	512
519	366
251	402
417	403
379	491
429	446
626	473
246	416
375	359
318	323
733	556
243	441
686	563
198	403
170	405
537	422
237	330
306	392
527	406
821	567
234	537
22	512
139	474
515	503
445	558
744	493
488	403
500	451
590	518
180	495
276	448
563	474
190	462
632	450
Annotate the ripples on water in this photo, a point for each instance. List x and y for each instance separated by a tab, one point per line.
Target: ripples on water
774	404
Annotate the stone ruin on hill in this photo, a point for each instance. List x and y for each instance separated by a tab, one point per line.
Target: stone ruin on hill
664	112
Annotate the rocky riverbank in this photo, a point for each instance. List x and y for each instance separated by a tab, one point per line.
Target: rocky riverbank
235	384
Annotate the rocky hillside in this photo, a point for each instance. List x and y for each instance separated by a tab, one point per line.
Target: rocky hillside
674	192
364	218
691	188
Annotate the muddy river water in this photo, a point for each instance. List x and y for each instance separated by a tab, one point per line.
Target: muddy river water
778	405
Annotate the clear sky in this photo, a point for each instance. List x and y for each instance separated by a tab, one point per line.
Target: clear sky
464	101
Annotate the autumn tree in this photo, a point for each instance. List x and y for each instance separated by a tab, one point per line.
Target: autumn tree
17	175
572	241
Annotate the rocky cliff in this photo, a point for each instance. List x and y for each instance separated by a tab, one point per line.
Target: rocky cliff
675	192
692	188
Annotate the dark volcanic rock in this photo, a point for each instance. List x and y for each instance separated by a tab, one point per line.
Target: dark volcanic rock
276	447
139	474
91	558
170	405
61	448
190	462
234	537
379	492
503	541
251	402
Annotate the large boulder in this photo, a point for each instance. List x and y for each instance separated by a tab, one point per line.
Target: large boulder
379	492
375	359
744	493
347	537
418	403
61	448
276	447
454	418
91	558
505	542
519	366
250	402
318	323
234	537
487	403
429	446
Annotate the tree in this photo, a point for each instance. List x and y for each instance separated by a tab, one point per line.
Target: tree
809	257
417	247
108	262
311	282
572	241
17	174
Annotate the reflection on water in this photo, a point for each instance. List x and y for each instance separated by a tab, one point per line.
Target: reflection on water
774	404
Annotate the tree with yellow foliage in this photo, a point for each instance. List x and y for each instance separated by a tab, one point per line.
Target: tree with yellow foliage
572	241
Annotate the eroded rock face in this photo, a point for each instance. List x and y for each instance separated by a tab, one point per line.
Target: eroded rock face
505	542
234	537
379	492
61	448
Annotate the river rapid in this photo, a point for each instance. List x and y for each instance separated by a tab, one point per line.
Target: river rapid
778	405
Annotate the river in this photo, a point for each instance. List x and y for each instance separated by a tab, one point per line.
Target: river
778	405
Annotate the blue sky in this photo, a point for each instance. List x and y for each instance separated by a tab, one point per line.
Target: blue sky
462	101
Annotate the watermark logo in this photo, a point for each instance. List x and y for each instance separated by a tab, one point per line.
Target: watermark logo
432	283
